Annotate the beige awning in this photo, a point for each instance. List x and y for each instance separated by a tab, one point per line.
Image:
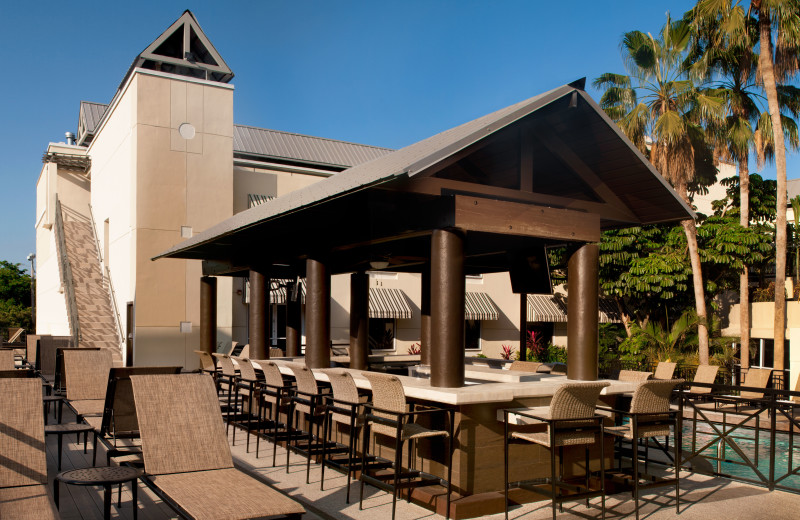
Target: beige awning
479	306
552	308
388	303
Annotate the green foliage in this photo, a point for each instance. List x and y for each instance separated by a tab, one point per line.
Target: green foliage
548	354
15	297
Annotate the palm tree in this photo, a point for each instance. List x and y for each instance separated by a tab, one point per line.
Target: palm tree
662	112
775	62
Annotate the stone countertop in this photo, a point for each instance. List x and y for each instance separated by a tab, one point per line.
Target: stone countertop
473	393
496	375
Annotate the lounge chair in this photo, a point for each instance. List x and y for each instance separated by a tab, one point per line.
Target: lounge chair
23	471
86	376
118	427
6	359
705	374
187	458
525	366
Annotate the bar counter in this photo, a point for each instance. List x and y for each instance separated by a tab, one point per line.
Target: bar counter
478	446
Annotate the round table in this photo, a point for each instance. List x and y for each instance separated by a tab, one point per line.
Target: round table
105	476
62	429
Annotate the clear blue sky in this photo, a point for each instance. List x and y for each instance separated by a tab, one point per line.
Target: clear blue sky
386	73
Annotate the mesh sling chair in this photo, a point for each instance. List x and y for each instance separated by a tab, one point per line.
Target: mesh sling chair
23	467
665	370
343	408
247	386
275	396
570	420
86	376
650	416
187	459
6	359
389	415
306	399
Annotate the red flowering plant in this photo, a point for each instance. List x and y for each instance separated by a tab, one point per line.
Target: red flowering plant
535	347
508	351
415	348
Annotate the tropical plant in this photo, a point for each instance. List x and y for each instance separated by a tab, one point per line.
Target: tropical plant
414	349
661	344
662	112
15	297
777	61
508	352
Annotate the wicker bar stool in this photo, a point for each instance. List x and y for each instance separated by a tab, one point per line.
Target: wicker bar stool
389	415
274	395
650	416
226	381
247	386
344	407
571	421
306	399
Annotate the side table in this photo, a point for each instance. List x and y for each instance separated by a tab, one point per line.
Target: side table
105	476
62	429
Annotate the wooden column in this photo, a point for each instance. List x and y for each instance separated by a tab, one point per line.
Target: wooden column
293	320
523	326
425	316
208	314
318	314
582	317
259	311
359	314
447	308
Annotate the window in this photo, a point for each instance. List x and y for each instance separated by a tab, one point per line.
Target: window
472	334
278	325
381	333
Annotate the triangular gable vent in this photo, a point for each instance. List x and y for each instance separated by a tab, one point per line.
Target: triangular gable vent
184	49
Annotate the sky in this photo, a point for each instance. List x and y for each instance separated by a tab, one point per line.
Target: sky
385	73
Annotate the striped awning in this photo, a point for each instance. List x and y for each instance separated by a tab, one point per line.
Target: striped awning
388	303
552	308
479	306
277	289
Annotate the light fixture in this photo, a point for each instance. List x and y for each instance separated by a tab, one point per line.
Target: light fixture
379	264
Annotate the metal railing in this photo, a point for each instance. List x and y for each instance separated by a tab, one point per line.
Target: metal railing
106	272
67	281
742	438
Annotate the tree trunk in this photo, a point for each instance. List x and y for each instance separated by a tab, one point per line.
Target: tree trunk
744	286
699	292
768	76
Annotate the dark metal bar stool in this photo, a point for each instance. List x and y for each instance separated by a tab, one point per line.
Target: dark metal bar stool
571	421
275	396
390	416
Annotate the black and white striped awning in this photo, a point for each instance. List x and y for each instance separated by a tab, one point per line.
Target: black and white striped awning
388	303
277	290
552	308
479	306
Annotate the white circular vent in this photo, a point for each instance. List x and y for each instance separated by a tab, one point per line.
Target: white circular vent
186	130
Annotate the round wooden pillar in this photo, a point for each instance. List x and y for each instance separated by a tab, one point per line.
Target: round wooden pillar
208	314
425	316
447	308
582	316
318	314
359	314
293	320
259	312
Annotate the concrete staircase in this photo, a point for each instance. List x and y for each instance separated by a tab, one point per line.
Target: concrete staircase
95	312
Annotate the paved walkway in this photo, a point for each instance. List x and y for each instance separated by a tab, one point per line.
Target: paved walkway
702	498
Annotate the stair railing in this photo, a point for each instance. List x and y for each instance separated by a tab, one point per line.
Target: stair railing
107	279
67	281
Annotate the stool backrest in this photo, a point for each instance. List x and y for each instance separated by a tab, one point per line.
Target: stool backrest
576	400
652	397
275	352
665	370
246	369
226	364
245	352
306	382
22	433
344	390
387	394
705	374
206	360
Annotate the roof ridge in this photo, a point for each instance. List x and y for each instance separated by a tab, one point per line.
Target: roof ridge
315	137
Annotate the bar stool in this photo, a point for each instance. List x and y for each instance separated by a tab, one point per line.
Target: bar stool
571	421
306	399
226	380
275	395
650	416
389	415
345	408
207	363
247	386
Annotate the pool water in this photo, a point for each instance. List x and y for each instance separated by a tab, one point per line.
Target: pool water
745	440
